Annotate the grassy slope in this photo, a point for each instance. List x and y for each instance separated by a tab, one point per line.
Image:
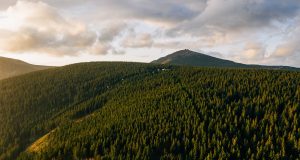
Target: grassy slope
155	111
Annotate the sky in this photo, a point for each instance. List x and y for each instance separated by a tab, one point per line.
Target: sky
60	32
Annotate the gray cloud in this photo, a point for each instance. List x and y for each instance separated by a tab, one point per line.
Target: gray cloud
239	15
166	10
4	4
111	31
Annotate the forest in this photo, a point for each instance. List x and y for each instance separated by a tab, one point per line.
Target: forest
116	110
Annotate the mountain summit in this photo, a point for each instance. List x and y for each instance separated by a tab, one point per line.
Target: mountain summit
191	58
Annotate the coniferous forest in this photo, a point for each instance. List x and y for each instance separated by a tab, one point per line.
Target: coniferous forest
148	111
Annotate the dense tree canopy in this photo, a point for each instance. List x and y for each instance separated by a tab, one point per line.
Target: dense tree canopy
144	111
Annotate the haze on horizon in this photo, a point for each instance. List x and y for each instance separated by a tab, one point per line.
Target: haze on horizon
59	32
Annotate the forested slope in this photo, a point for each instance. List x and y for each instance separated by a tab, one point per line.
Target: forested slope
145	111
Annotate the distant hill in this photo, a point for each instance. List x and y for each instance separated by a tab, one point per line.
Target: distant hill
191	58
12	67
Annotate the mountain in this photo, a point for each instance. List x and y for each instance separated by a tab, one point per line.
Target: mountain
12	67
191	58
150	111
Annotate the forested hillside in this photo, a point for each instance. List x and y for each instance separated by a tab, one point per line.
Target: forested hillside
12	67
148	111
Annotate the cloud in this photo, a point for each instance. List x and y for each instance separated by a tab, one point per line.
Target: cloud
253	51
240	15
38	27
111	30
137	40
167	10
242	29
4	4
106	37
235	22
232	24
289	46
288	50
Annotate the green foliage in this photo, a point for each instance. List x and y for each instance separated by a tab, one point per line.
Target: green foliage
144	111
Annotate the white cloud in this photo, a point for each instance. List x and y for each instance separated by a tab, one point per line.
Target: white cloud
137	40
238	28
290	43
38	27
254	51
